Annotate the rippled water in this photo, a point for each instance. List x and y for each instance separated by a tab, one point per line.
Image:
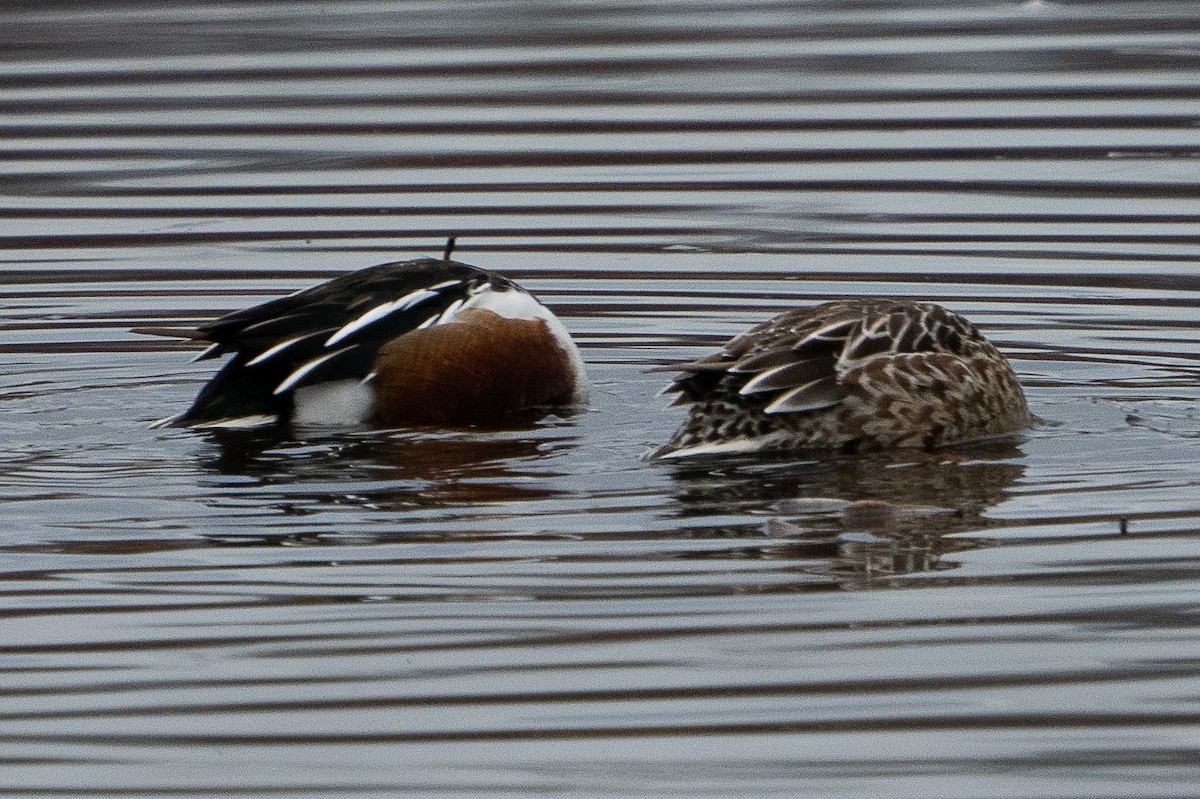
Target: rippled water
541	611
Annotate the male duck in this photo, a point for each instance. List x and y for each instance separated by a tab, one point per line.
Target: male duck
422	342
854	375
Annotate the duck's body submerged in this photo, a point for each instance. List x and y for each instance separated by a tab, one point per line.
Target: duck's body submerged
854	376
421	342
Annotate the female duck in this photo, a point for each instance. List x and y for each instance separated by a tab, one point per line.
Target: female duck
421	342
854	375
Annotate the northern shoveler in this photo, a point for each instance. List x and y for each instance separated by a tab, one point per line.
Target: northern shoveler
422	342
855	375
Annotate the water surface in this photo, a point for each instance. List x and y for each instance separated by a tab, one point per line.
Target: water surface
541	610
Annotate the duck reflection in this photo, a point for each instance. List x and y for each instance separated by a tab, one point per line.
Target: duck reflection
855	518
381	471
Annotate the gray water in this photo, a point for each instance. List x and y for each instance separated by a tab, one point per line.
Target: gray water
541	611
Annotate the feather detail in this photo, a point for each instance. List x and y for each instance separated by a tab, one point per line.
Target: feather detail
448	314
267	354
287	353
386	309
299	376
211	351
858	374
764	361
827	335
820	393
789	375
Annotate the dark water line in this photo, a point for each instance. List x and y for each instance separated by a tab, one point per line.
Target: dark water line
553	97
1168	671
260	212
962	61
1178	285
1084	121
542	209
539	234
726	692
1019	187
683	629
582	157
943	722
336	234
834	25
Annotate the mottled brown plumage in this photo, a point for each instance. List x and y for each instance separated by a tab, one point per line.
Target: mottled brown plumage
854	375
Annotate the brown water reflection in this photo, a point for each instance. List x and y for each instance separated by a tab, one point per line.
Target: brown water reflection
857	519
426	468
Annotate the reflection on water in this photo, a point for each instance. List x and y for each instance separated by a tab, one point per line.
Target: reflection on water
838	514
542	610
855	519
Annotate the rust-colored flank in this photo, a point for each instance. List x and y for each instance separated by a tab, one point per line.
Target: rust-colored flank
482	367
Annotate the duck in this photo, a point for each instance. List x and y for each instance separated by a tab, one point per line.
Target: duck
853	375
423	342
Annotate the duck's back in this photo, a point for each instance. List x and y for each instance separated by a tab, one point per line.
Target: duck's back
852	375
317	353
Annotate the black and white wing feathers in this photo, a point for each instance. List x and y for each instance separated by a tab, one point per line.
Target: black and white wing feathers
329	332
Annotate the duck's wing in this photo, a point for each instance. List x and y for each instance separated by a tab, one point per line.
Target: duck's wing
799	360
379	302
329	332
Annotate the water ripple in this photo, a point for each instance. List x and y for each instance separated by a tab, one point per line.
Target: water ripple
542	611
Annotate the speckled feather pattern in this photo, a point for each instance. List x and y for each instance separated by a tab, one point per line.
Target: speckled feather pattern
853	375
